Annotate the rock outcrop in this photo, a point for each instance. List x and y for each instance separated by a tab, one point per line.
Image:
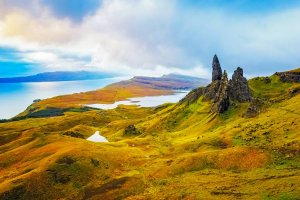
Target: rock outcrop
289	76
221	100
216	67
239	89
220	90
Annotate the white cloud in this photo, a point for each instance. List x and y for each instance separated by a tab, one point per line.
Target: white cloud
149	37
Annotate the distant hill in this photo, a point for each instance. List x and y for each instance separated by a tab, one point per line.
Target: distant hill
168	82
58	76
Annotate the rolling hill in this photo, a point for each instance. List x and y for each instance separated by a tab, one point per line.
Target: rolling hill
213	144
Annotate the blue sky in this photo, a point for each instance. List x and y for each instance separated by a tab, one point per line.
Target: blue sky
242	6
75	9
145	37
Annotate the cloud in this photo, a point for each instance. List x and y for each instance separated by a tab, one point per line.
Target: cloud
151	38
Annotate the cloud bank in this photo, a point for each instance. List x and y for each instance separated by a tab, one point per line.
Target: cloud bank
150	38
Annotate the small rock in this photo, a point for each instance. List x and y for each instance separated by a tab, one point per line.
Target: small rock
254	108
267	80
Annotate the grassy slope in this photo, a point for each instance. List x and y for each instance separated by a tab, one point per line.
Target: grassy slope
184	152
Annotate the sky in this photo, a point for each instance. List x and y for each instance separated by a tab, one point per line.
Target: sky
146	37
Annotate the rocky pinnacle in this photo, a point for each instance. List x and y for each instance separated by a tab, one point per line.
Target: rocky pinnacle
239	89
216	67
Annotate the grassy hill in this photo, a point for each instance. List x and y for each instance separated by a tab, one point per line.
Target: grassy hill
181	151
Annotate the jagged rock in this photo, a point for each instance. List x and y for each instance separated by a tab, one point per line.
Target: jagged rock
254	108
217	71
289	76
131	130
239	89
221	101
221	91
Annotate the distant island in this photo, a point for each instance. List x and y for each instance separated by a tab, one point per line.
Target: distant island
165	82
58	76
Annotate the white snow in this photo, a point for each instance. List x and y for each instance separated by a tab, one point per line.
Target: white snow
96	137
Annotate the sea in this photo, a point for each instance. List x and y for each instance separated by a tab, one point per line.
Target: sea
16	97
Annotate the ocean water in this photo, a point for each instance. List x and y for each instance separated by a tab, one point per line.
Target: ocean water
148	101
16	97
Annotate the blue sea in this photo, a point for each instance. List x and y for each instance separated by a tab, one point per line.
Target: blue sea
16	97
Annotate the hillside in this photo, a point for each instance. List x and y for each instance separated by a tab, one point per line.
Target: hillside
249	149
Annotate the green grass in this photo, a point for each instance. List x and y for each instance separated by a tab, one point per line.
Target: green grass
271	90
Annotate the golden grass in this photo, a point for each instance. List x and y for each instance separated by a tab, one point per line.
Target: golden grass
184	152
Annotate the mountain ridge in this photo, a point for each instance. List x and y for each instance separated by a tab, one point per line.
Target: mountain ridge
58	76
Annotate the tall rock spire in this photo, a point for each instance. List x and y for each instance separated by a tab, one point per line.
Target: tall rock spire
216	69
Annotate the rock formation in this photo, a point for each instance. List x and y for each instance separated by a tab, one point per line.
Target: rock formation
221	100
220	90
239	89
289	76
216	67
